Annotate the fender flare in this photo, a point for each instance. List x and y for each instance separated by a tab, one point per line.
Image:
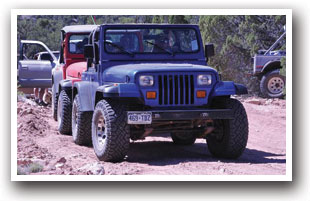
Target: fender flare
227	88
86	91
271	65
119	90
65	85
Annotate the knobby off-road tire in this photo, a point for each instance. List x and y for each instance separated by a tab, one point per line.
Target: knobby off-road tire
81	123
64	113
272	85
183	138
110	132
230	137
54	103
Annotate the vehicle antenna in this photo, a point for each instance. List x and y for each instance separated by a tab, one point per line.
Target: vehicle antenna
94	19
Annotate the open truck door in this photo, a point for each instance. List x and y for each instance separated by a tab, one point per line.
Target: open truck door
35	71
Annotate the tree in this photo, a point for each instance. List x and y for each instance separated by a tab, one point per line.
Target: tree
157	19
178	19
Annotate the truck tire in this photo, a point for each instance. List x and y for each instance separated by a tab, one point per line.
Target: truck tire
272	85
230	137
183	138
54	103
81	123
64	113
110	132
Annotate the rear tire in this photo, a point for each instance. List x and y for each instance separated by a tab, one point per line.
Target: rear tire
81	123
183	138
64	113
272	85
230	137
110	132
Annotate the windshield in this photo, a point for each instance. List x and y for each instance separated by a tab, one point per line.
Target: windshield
151	41
77	42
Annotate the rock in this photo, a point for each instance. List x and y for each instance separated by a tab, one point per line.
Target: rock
93	169
254	101
34	126
62	160
59	165
76	155
268	101
222	170
20	125
30	102
18	110
29	110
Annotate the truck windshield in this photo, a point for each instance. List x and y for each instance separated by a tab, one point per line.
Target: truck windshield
139	41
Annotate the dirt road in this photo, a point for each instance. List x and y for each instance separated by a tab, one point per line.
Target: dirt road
42	150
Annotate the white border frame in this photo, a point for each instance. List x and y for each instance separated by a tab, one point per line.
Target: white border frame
286	177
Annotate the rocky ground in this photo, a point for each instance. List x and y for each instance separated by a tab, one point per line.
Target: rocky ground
42	150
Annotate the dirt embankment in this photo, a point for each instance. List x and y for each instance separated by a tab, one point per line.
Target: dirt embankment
42	150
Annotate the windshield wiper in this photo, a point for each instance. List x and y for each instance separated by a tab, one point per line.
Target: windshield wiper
160	47
120	48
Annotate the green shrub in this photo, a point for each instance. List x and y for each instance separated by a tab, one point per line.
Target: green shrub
31	168
21	171
35	167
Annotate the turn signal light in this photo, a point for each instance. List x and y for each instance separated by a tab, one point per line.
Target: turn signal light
151	94
201	94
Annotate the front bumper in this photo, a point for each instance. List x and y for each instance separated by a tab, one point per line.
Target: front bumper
175	115
159	115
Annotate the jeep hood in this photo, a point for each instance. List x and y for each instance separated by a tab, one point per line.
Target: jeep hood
120	72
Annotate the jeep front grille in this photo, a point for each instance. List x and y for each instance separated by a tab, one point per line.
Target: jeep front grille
176	89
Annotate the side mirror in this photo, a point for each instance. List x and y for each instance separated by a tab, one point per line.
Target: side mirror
88	51
209	50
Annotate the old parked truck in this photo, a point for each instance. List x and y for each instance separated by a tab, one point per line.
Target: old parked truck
146	79
266	66
69	69
35	64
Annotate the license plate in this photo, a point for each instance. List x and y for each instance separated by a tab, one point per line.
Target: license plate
139	117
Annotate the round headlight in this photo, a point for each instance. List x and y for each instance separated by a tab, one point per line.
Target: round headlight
146	80
204	79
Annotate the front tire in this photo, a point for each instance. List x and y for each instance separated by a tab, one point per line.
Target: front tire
183	138
110	132
272	85
81	123
230	137
64	113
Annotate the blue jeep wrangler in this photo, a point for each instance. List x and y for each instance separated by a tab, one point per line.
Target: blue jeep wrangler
145	79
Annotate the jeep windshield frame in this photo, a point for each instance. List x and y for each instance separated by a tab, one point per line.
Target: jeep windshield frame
196	53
